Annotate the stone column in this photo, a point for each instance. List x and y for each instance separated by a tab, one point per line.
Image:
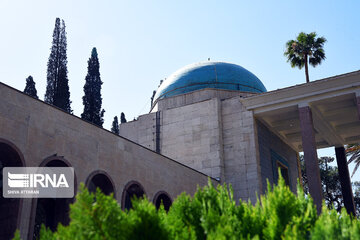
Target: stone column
345	182
310	155
25	216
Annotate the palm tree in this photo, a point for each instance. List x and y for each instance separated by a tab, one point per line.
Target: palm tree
305	49
353	150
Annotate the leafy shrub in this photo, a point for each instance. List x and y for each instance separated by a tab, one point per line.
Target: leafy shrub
211	213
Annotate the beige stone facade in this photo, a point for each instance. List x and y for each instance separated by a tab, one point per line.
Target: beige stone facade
211	131
38	134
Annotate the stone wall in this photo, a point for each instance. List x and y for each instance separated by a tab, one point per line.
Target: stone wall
197	96
141	131
240	155
209	131
268	142
191	134
213	133
40	131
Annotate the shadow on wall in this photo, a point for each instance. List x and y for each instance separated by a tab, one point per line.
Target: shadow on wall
51	211
10	156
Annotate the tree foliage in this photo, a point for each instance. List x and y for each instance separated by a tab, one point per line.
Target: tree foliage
115	126
330	184
92	100
304	50
356	192
57	89
353	151
210	214
30	88
122	118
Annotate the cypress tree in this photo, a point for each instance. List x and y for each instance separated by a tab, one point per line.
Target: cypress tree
57	89
122	118
115	126
30	87
92	92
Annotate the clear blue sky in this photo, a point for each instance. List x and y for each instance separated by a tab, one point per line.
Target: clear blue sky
141	42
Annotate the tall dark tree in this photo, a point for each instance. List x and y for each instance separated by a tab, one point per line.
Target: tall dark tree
122	118
330	184
30	87
304	50
92	98
57	89
356	190
115	126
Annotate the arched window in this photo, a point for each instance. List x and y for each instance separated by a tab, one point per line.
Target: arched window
131	190
162	198
10	156
102	180
52	211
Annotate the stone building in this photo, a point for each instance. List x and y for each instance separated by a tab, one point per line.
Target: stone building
198	118
209	119
217	118
36	134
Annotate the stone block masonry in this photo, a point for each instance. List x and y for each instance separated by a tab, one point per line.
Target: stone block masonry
212	132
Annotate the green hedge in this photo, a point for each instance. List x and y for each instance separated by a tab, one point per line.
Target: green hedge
210	214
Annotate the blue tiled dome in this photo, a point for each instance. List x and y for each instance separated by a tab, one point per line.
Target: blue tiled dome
219	75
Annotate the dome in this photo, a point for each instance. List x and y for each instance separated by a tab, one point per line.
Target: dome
218	75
